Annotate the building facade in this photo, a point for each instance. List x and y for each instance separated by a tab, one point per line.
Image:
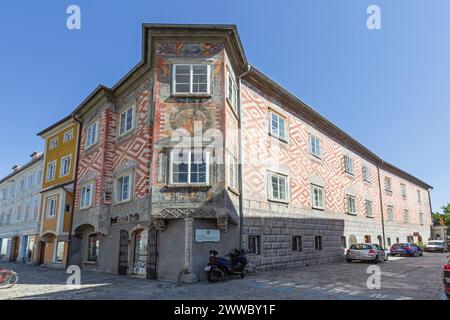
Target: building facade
19	210
59	169
195	150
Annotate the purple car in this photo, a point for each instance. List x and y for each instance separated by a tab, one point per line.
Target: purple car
406	249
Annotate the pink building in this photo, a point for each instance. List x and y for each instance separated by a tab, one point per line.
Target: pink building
195	150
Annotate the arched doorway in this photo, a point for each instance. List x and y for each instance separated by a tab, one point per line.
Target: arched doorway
123	253
140	252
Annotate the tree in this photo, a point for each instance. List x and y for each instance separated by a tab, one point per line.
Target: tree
444	214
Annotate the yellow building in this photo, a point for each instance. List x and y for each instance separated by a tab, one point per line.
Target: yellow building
59	169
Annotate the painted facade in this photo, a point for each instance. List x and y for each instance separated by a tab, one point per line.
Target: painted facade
159	166
55	216
19	211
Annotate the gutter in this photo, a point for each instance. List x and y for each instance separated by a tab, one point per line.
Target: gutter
382	206
74	187
240	171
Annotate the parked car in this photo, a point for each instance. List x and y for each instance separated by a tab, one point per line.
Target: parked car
436	246
406	249
446	276
366	252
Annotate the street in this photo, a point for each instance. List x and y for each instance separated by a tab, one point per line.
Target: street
401	279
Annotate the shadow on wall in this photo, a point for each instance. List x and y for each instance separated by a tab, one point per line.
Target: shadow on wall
279	243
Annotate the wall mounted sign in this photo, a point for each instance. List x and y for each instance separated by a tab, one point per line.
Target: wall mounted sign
125	219
207	235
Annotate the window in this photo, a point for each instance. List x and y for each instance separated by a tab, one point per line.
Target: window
343	242
191	78
59	253
65	166
277	126
30	181
278	188
19	212
351	205
409	239
368	207
366	173
39	177
22	185
51	207
403	190
314	146
86	196
126	121
367	239
317	197
348	165
51	169
28	210
92	134
233	168
389	243
254	244
405	216
421	218
68	135
297	243
123	186
53	143
398	240
189	167
4	246
232	92
387	184
93	247
318	242
419	196
390	213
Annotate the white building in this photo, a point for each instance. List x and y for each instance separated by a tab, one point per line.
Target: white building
19	210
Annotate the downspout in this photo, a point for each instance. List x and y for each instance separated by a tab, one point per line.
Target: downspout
382	206
431	211
74	188
240	171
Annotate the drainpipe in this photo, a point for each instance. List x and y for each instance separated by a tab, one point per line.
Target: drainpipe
431	211
382	206
240	171
74	188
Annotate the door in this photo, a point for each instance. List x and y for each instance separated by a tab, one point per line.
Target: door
123	253
42	252
15	251
140	252
152	254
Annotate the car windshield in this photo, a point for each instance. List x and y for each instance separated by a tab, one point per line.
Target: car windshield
400	245
361	247
435	242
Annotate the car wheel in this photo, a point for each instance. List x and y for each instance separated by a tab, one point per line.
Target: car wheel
376	260
349	260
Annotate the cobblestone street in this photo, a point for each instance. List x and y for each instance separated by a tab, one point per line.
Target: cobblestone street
402	278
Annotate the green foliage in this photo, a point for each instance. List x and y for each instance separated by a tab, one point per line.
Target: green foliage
421	245
445	214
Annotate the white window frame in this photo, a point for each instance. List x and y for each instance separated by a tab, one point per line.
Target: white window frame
48	212
405	216
272	174
390	216
47	176
53	143
191	78
61	169
68	135
271	130
321	193
419	196
233	172
347	204
89	133
206	157
387	184
232	90
366	173
83	205
315	146
421	221
368	208
403	190
126	130
119	187
349	165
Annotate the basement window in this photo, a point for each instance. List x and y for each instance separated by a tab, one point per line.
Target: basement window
254	244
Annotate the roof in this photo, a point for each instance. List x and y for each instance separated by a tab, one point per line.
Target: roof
54	125
230	33
22	168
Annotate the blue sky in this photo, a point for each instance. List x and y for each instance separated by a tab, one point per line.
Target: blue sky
389	88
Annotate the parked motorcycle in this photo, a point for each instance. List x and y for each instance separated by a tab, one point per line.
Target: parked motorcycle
219	267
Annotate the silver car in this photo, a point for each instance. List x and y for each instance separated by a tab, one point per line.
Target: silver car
436	246
367	252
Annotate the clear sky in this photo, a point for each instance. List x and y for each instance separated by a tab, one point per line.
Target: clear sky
388	88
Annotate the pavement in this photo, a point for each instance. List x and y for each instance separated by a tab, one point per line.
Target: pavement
410	278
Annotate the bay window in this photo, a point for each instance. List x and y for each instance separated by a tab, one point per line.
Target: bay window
189	167
191	78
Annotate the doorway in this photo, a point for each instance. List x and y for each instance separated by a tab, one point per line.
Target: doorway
41	252
123	253
140	252
152	254
15	249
